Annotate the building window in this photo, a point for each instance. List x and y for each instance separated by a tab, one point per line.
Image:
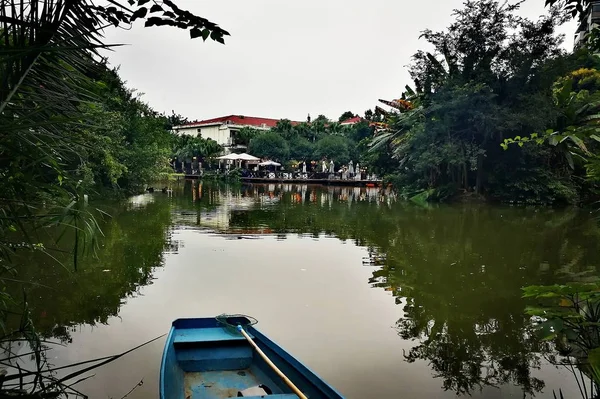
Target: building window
199	131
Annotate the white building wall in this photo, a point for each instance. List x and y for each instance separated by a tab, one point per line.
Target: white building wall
218	133
221	133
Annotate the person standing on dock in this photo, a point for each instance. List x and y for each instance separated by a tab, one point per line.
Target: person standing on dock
331	167
323	167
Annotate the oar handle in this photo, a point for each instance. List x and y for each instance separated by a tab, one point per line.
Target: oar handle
271	364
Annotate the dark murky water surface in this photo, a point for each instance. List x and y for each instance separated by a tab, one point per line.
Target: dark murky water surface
381	298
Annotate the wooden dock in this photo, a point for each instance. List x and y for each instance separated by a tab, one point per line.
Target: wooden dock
324	182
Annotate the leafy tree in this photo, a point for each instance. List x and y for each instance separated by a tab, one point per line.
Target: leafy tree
301	148
333	147
143	141
359	131
285	128
246	134
270	145
575	132
187	147
176	120
574	8
321	118
335	128
317	129
471	92
303	129
380	162
127	144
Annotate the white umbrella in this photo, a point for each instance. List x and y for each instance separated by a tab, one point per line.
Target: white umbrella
350	168
304	167
269	163
247	157
331	167
229	157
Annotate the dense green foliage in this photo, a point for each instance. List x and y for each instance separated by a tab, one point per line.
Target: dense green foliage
332	147
575	131
269	145
186	148
127	144
575	8
491	76
315	140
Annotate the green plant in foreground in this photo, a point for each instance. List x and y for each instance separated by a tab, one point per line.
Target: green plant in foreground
569	316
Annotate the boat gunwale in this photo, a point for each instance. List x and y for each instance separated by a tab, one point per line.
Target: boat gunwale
294	362
163	362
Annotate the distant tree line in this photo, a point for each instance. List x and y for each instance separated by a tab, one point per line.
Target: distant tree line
305	141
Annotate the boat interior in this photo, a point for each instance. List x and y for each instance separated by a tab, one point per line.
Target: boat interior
213	362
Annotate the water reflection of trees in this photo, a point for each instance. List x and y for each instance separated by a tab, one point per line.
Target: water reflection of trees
457	271
133	246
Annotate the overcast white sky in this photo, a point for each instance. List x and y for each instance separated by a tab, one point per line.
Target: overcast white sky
285	58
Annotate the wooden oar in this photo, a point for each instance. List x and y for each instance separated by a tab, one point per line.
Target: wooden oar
271	364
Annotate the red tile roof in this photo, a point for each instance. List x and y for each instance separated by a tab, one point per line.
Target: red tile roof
352	121
238	120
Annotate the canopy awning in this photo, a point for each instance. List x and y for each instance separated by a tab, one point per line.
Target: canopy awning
247	157
238	157
269	163
229	157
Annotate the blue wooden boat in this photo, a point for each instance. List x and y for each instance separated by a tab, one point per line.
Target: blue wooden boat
204	359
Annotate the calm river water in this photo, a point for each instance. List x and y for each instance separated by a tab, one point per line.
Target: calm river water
380	297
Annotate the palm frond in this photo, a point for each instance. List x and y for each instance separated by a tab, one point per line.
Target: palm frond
381	140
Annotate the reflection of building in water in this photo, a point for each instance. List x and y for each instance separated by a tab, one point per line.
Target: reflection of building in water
140	201
304	194
219	219
231	208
